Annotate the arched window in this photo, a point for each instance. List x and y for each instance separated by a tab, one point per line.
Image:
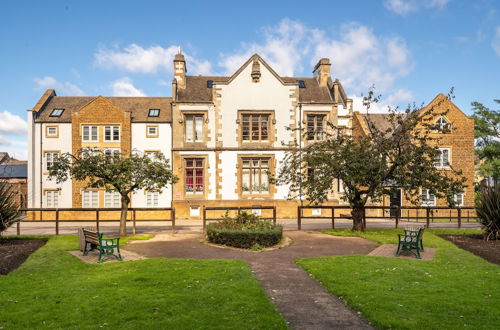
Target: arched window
443	125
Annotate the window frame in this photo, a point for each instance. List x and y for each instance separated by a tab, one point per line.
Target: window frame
112	151
47	129
55	153
271	128
112	196
90	135
424	202
441	164
439	127
462	199
54	199
92	193
157	111
112	133
52	113
195	167
152	198
156	134
316	115
185	120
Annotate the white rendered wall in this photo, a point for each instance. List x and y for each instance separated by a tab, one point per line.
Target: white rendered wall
162	143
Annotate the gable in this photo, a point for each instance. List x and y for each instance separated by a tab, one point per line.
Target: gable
99	110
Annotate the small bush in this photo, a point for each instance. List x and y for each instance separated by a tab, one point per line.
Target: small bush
9	210
488	212
245	231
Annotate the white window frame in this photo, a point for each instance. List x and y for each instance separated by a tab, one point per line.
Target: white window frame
455	199
91	130
112	129
440	161
50	158
442	124
155	134
111	151
429	200
56	131
194	133
112	199
93	198
152	198
52	198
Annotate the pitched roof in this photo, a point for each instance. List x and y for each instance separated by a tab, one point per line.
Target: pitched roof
197	90
14	171
138	106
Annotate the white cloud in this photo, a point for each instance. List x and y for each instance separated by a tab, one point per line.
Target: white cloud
405	7
17	149
283	48
4	141
62	88
495	43
125	87
362	59
11	124
137	59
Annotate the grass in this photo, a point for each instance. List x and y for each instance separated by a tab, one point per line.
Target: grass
454	290
53	289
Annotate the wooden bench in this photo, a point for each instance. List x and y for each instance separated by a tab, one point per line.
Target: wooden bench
106	246
411	241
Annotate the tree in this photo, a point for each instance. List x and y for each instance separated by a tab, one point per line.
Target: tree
9	206
124	175
487	134
370	166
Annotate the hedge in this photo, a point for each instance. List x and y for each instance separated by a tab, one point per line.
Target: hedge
244	239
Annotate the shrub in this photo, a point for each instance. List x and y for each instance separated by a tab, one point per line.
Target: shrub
488	212
245	231
9	210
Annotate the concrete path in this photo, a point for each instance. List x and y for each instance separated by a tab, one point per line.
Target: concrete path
302	301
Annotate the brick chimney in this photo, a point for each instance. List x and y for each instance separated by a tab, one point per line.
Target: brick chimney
180	70
322	71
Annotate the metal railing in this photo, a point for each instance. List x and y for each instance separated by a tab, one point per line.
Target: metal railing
413	213
97	216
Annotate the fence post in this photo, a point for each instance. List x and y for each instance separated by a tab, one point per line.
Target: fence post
57	222
459	217
299	218
204	217
18	228
133	222
173	219
333	217
274	215
397	217
364	219
428	213
97	220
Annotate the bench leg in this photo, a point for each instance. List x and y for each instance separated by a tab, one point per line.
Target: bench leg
398	252
119	257
85	250
100	255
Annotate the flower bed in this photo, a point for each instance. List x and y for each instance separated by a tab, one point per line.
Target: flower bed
244	231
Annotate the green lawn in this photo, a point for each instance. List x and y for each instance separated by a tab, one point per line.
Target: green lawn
53	289
455	290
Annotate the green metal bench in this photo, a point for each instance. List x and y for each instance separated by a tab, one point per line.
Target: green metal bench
411	241
106	246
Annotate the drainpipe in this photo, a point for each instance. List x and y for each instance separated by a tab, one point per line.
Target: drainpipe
41	165
300	154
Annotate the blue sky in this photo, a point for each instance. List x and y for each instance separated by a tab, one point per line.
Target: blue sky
410	49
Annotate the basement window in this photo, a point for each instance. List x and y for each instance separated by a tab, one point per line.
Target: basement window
302	83
154	113
56	113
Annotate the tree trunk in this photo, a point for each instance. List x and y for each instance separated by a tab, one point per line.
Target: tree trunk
123	215
357	214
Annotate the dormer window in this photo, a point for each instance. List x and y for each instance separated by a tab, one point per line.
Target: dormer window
443	125
210	83
154	113
56	113
302	83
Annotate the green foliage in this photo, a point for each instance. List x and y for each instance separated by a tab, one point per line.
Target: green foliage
370	166
55	290
115	172
488	212
487	133
9	209
244	231
454	290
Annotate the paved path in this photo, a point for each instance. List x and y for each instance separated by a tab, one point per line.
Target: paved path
302	301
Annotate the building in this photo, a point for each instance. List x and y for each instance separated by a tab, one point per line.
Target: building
15	173
223	134
455	131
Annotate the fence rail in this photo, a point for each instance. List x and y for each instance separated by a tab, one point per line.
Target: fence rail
395	213
239	209
97	216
